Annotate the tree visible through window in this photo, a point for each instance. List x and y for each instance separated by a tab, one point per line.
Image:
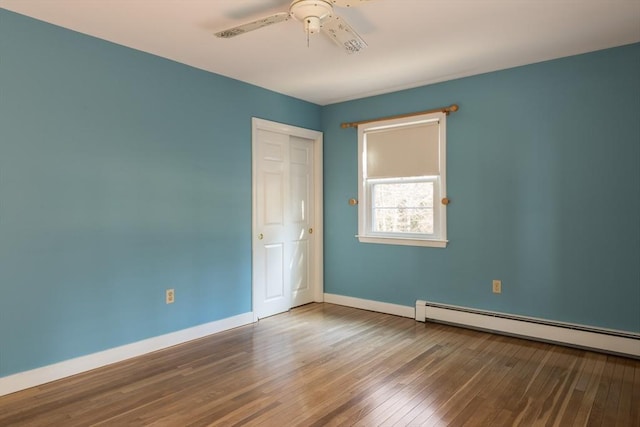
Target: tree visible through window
403	207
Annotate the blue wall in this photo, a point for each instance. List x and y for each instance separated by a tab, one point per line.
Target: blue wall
543	170
121	174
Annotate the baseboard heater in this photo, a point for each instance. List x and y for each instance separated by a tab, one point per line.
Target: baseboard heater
605	340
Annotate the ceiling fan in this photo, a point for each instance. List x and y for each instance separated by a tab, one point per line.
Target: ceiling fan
316	15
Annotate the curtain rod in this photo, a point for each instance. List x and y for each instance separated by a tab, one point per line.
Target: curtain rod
450	109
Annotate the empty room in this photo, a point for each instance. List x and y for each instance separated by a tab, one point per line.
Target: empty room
320	213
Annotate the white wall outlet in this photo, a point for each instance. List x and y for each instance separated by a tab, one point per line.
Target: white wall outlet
497	286
170	296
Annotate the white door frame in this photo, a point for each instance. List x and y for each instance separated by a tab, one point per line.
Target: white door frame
318	240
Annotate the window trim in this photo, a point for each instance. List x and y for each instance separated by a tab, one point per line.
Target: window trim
365	209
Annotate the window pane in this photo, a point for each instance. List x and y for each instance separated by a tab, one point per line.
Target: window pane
403	207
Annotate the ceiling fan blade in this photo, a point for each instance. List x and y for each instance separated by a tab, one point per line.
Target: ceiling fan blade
342	34
244	11
348	3
254	25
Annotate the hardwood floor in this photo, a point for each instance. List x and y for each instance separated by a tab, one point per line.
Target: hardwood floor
327	365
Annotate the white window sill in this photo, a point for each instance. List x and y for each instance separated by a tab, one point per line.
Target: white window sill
403	242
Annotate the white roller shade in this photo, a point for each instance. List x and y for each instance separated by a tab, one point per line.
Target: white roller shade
403	151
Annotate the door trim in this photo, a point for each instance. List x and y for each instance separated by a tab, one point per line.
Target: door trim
318	246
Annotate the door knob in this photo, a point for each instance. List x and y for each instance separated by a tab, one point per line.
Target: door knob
311	231
260	236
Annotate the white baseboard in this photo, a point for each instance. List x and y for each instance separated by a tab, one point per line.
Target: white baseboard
45	374
607	340
365	304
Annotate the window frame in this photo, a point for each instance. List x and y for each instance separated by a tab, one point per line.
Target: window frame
365	195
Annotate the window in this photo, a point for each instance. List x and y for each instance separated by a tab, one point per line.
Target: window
402	181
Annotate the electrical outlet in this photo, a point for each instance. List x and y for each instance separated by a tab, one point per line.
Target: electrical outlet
497	286
170	296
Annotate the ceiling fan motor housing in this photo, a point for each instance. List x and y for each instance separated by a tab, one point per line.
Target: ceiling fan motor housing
311	13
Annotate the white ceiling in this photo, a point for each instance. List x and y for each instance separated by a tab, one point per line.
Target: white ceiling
411	42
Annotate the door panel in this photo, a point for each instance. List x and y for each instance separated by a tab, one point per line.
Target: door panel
272	287
283	222
301	208
300	280
274	272
273	202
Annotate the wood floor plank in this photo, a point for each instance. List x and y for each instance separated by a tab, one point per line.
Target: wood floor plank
328	365
572	397
635	396
597	413
445	386
586	405
625	403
